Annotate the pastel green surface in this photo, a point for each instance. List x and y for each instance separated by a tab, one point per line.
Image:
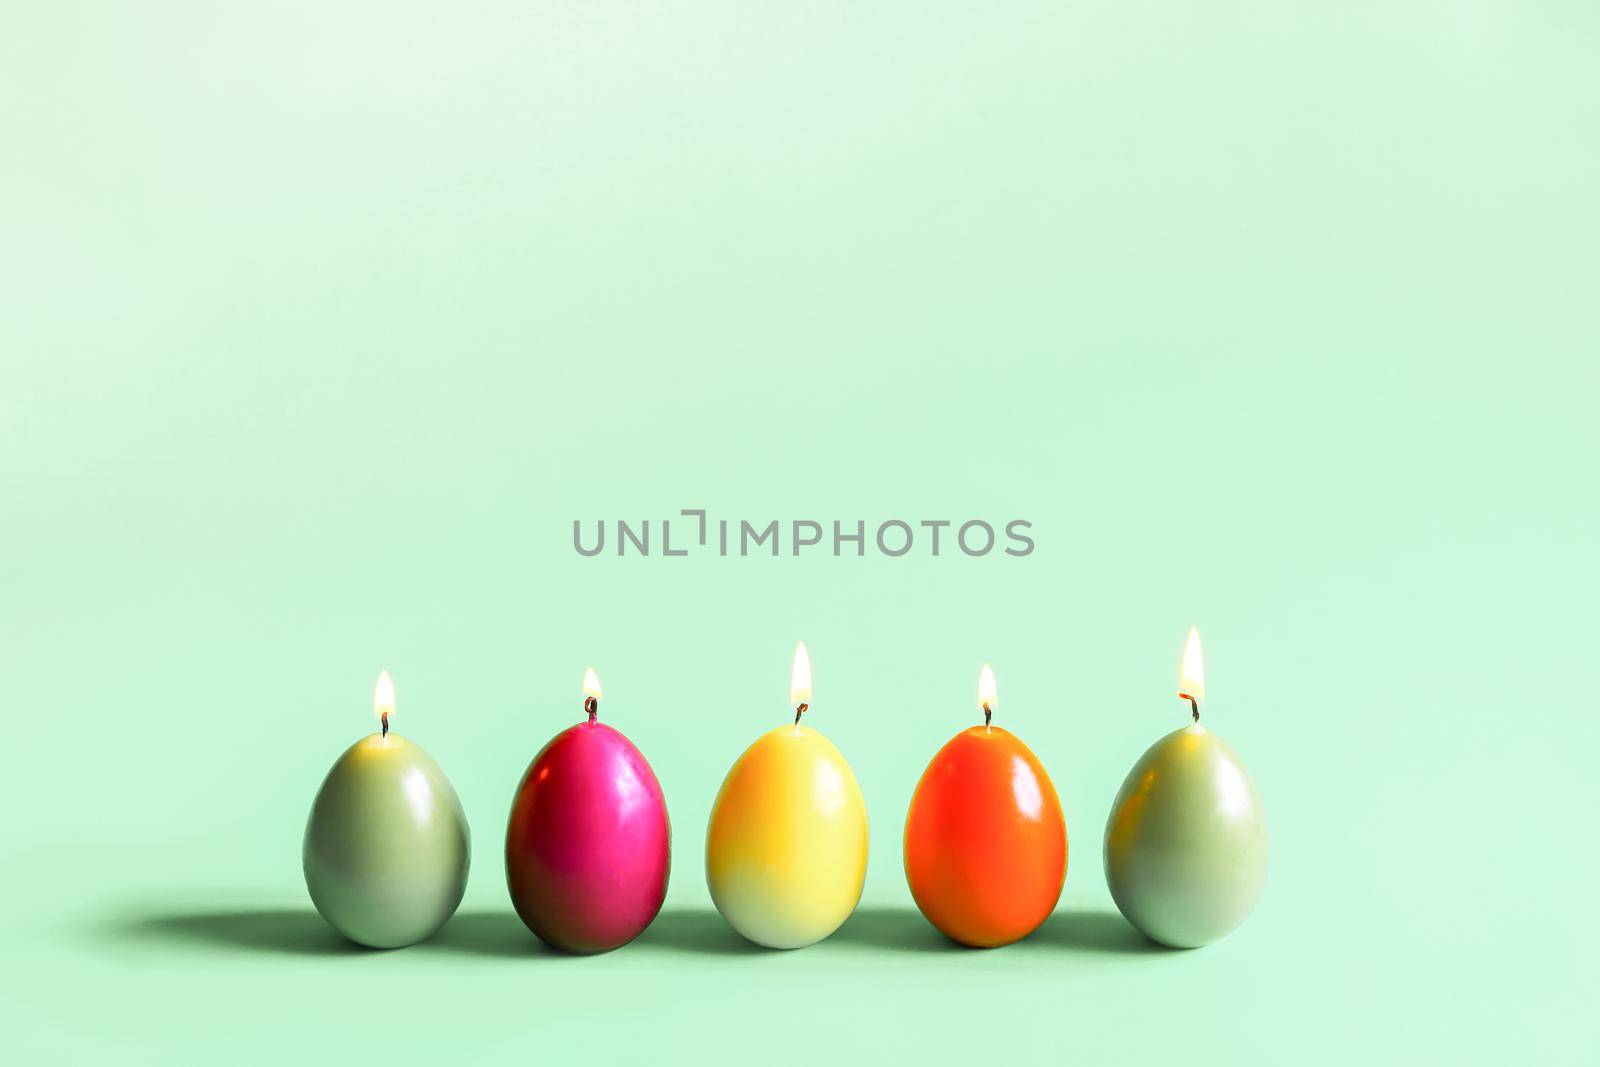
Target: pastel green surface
387	847
323	322
1186	842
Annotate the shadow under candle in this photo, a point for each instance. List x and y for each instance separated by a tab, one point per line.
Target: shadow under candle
302	932
1095	931
899	929
286	931
487	933
907	930
697	930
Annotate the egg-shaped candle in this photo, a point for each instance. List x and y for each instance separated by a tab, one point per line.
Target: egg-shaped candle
986	843
387	846
588	846
786	850
1186	843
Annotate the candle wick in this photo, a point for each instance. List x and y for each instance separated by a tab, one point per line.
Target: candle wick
986	714
799	711
1194	708
592	706
385	718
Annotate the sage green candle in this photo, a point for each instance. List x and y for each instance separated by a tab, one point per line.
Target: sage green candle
387	844
1186	844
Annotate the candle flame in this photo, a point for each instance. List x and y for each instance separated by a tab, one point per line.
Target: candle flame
1192	676
591	684
383	696
800	676
988	696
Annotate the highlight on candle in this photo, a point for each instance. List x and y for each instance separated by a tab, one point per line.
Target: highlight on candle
1192	676
800	677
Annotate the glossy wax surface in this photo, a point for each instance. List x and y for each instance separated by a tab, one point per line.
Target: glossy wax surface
588	846
985	842
786	850
1186	843
387	846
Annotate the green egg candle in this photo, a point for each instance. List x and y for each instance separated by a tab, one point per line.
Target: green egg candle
387	844
1186	844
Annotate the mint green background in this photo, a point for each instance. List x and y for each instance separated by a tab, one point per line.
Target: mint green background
320	327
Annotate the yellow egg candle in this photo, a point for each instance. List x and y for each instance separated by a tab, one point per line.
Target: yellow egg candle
786	851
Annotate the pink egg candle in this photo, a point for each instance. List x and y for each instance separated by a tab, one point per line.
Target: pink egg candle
589	847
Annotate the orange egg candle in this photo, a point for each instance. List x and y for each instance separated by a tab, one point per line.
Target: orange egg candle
986	843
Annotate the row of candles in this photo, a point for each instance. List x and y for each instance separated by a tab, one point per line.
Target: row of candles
588	844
